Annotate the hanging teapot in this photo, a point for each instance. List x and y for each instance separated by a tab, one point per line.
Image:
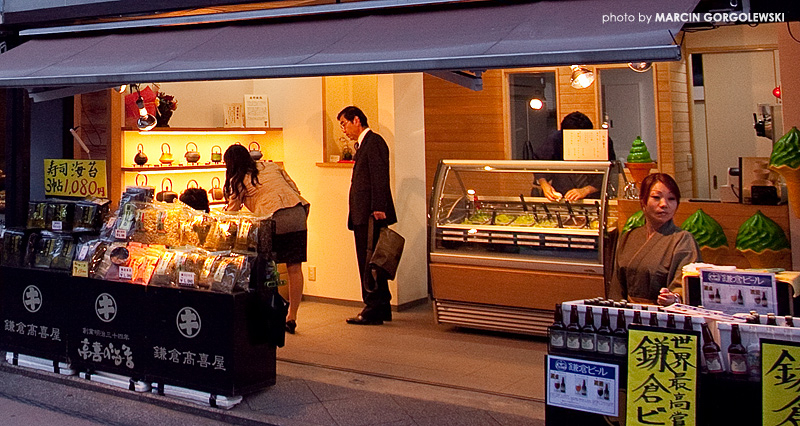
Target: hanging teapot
166	156
166	195
216	157
140	158
216	190
192	156
255	153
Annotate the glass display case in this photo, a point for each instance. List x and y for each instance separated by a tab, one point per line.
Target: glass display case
500	250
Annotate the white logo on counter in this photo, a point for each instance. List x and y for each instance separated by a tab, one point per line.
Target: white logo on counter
188	321
32	298
105	307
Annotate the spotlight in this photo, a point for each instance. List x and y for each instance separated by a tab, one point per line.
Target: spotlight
146	120
640	66
581	77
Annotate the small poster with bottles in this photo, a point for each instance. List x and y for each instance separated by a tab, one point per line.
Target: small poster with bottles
582	385
738	291
662	375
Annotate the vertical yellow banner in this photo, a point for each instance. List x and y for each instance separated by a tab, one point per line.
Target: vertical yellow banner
780	383
662	377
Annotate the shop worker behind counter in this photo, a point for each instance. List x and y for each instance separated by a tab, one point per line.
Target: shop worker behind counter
266	189
650	259
572	187
370	195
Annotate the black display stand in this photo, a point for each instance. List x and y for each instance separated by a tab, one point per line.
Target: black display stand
201	340
34	305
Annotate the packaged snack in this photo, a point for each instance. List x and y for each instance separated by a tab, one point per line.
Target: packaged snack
165	268
90	214
62	251
229	272
36	214
14	243
158	223
222	235
59	215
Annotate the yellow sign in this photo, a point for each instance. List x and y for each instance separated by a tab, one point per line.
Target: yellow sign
80	268
662	377
75	178
780	383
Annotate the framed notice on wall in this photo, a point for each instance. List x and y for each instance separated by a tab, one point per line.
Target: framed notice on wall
234	115
256	111
585	145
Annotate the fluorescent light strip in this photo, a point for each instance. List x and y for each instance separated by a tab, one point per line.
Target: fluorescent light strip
169	172
205	132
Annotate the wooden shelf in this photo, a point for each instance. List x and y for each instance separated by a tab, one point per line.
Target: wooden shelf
203	130
198	167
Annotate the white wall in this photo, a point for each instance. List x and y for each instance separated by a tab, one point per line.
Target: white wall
296	106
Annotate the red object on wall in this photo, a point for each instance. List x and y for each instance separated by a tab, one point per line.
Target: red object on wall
777	92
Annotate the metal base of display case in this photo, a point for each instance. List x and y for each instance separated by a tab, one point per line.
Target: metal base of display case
495	318
116	380
197	397
28	361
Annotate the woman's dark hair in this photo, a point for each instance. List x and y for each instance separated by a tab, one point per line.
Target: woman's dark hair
651	179
238	164
196	198
352	112
576	120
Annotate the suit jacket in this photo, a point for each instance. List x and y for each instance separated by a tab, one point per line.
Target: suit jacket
369	186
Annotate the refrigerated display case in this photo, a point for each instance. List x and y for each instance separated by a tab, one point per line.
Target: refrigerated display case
502	255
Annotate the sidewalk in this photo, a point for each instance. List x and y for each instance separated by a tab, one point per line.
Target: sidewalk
407	372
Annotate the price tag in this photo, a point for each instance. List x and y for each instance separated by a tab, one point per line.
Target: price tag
120	234
57	225
186	279
80	269
110	223
125	273
75	178
84	251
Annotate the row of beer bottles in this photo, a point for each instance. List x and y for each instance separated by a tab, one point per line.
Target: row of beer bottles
741	360
602	340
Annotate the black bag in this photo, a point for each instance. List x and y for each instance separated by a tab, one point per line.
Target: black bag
385	256
267	308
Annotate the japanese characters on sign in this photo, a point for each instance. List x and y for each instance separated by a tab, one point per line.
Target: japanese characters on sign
780	383
662	377
582	385
75	178
738	291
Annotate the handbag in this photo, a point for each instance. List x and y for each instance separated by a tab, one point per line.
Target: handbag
386	254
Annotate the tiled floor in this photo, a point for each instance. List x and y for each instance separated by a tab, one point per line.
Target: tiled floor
413	347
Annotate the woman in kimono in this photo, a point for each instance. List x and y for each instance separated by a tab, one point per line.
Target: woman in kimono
649	260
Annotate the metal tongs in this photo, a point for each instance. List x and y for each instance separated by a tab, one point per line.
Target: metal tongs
572	221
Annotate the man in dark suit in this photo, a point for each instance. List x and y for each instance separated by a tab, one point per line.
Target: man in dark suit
370	195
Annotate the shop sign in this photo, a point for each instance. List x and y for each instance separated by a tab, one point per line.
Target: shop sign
739	291
662	376
75	178
583	385
780	382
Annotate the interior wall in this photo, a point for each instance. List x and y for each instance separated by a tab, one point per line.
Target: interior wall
49	119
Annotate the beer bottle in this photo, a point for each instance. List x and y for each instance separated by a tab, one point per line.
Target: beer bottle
637	317
711	351
717	298
620	337
764	301
687	322
588	332
653	319
754	359
557	330
756	317
563	386
671	321
740	298
789	321
573	330
771	319
737	353
583	388
604	334
605	392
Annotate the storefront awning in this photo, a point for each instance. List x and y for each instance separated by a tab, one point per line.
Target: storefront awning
471	37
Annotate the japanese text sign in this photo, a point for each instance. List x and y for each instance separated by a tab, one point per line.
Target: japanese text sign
739	291
586	145
662	377
780	382
75	178
582	385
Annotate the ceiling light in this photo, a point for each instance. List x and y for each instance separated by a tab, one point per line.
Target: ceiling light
640	66
121	88
582	77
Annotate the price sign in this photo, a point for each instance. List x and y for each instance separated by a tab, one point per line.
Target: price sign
125	273
120	234
80	269
739	291
75	178
186	279
662	376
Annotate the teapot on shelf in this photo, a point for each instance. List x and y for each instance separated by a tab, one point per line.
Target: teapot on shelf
216	157
166	194
140	158
192	156
255	153
216	190
166	156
